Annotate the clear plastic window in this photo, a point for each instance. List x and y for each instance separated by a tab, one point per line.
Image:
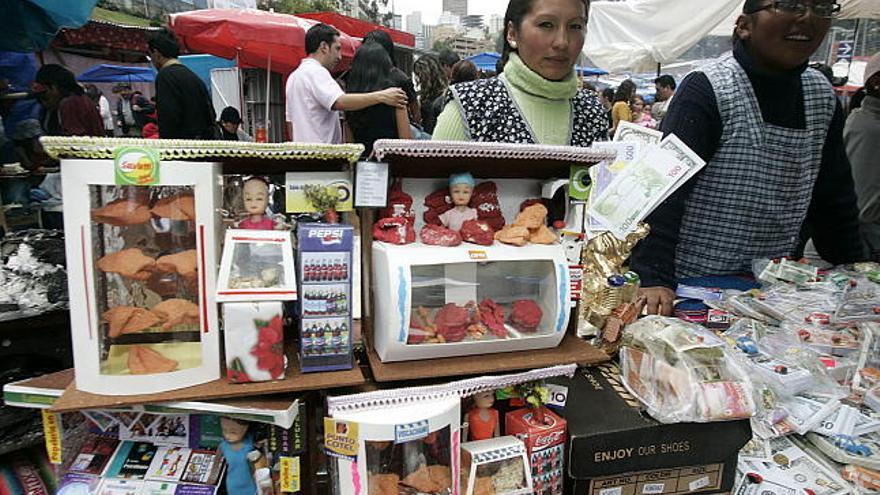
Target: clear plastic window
504	476
462	302
146	277
257	265
417	466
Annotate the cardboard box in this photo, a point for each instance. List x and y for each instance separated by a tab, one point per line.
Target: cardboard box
254	341
615	449
545	445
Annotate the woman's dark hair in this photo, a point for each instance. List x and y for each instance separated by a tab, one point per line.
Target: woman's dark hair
516	12
625	91
370	71
464	71
383	38
432	79
317	34
60	77
231	115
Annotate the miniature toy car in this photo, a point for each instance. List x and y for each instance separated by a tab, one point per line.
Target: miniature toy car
747	345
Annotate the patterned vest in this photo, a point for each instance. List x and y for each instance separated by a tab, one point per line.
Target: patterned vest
492	115
752	198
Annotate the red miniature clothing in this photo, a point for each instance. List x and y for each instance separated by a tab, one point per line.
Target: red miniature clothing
479	429
265	224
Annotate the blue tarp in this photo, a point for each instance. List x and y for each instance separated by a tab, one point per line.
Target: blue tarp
486	62
106	73
202	64
19	69
30	25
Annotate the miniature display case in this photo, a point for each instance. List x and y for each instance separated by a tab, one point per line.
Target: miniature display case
495	466
257	265
412	448
325	261
141	267
435	302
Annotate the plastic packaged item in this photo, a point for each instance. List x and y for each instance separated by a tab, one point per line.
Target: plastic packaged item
497	465
683	372
861	451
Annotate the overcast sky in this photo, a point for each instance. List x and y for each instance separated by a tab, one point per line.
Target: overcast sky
431	8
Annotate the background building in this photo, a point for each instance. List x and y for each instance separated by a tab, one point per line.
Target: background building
414	23
457	7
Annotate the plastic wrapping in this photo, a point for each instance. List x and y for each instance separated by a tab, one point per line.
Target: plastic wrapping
683	373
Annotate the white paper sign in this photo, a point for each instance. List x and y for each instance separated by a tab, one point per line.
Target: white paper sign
371	185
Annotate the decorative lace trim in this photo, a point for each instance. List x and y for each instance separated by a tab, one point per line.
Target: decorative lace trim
465	149
464	388
185	149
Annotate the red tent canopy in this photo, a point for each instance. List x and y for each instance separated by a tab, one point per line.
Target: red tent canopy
253	35
358	28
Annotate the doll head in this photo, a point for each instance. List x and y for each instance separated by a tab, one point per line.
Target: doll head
484	400
255	195
461	187
234	430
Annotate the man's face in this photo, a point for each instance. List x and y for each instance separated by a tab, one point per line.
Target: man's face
331	54
783	40
663	92
50	97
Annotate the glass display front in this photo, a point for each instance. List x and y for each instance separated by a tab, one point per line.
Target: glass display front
481	301
146	275
495	477
257	265
416	466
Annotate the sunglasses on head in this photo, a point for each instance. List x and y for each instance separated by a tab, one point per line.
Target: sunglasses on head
825	10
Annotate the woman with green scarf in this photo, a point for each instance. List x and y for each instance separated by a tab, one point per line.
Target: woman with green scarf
536	99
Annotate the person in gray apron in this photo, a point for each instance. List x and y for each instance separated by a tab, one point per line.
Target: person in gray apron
770	130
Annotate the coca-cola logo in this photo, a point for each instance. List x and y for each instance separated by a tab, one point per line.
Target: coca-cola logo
548	440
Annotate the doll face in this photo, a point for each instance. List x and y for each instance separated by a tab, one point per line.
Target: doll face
461	194
233	431
484	400
256	197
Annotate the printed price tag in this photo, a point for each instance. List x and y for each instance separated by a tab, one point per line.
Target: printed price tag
653	488
558	395
699	483
618	490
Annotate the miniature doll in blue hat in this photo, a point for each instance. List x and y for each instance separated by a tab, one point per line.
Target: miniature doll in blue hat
461	188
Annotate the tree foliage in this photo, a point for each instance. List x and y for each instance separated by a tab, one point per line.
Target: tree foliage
376	16
298	6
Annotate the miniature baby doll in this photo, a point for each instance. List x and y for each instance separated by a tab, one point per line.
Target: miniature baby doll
461	187
483	418
255	195
235	447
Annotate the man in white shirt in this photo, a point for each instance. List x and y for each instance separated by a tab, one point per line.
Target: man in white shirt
314	99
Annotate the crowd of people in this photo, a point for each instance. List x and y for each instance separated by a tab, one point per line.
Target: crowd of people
781	151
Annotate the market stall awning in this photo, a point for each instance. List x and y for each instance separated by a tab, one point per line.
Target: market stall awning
106	73
359	28
102	35
636	35
254	36
30	25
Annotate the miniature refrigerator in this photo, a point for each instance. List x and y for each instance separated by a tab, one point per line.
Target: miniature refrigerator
141	251
433	302
325	264
412	448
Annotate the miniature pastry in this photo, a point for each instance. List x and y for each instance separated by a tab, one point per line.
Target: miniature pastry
429	479
477	232
542	235
483	485
177	207
452	322
492	315
394	230
130	263
532	217
122	212
176	312
129	319
435	235
145	361
518	236
525	315
182	263
383	484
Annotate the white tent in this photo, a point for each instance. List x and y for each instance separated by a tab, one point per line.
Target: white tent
636	35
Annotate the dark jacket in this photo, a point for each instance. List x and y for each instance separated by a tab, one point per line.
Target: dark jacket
141	117
184	106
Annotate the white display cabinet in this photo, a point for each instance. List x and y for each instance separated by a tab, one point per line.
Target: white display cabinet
433	302
141	273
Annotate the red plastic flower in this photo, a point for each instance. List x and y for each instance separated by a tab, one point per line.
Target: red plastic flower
269	349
